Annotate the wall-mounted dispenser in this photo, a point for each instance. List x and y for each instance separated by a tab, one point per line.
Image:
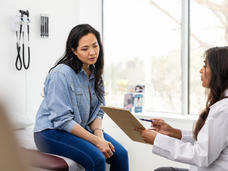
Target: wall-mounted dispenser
44	26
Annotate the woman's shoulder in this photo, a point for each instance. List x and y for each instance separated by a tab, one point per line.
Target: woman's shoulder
61	72
63	69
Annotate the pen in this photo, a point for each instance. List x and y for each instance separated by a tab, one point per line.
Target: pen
148	120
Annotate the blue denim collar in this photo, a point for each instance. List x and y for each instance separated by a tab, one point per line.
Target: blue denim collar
92	71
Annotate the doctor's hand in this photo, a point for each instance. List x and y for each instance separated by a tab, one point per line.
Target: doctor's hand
162	127
105	147
148	135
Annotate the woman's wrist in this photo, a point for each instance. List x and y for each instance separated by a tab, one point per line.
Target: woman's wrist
95	140
98	129
99	132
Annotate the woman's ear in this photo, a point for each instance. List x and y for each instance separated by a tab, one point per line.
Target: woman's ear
74	51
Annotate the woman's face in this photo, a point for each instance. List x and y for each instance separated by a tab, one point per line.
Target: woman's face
88	49
205	74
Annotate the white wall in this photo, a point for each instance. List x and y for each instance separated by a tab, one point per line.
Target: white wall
21	90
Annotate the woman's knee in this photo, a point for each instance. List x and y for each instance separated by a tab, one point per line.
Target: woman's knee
121	153
99	162
124	153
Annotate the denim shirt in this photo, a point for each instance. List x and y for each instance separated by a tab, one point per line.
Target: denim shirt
67	101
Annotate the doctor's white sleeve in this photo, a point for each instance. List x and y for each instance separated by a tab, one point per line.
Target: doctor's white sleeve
210	142
187	136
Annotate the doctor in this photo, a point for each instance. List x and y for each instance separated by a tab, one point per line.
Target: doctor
206	149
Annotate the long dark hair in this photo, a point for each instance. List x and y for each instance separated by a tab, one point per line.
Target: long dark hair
217	58
70	59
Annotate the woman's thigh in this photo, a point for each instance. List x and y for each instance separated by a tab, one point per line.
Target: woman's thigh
65	144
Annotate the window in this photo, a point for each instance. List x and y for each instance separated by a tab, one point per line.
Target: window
209	23
148	42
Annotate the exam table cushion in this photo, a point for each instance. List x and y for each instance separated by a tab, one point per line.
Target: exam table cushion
45	161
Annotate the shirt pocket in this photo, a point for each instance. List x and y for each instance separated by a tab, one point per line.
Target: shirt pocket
76	96
79	96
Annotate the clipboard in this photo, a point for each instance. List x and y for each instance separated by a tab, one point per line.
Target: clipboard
126	121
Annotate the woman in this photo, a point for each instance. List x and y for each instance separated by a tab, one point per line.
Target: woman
69	120
207	147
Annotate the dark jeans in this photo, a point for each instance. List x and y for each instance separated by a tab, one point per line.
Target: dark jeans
83	152
170	169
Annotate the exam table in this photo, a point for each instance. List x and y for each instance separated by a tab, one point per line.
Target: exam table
41	160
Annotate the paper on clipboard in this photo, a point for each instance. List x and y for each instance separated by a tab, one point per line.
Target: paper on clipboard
126	121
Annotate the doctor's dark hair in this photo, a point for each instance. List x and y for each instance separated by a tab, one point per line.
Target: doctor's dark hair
217	58
70	59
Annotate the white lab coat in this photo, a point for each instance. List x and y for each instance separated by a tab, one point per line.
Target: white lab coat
209	152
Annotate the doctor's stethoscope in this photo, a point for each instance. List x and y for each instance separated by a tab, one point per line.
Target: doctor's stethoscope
21	34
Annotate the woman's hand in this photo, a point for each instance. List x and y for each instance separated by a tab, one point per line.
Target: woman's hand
105	147
162	127
148	135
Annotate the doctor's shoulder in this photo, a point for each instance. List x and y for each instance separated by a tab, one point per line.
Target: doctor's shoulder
219	109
